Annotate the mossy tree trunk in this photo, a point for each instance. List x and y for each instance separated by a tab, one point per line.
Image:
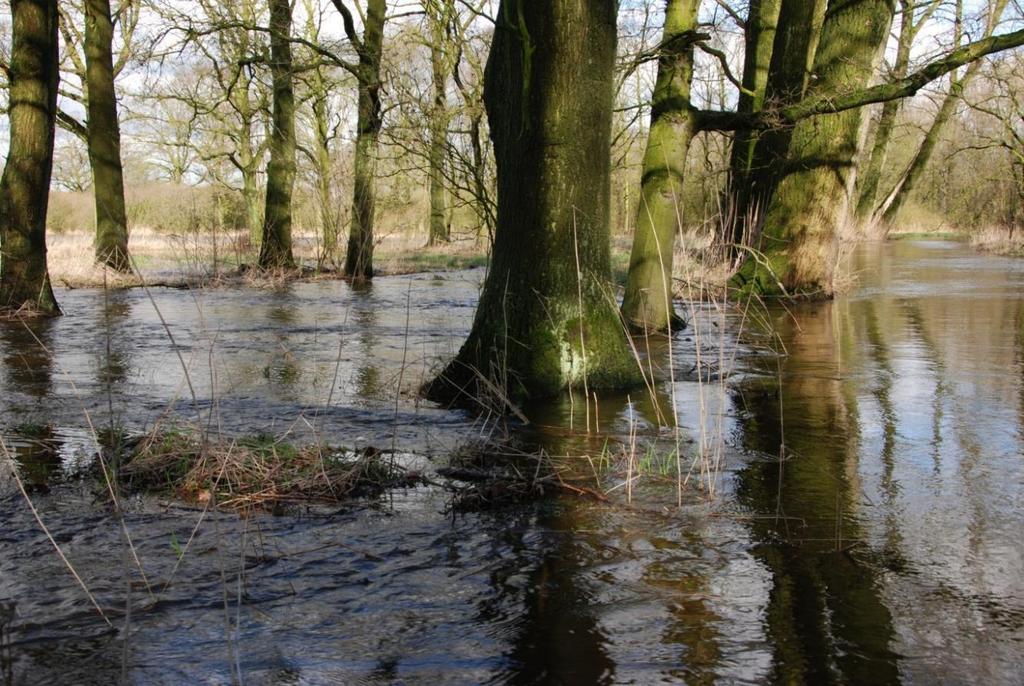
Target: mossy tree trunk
276	246
104	139
759	41
796	40
547	318
25	185
647	303
359	256
801	224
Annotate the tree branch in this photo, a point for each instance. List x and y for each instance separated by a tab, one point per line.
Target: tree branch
714	120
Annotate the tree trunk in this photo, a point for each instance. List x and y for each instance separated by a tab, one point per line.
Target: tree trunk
328	217
253	206
895	199
546	318
25	185
104	140
648	300
796	40
276	247
811	200
359	257
759	41
438	129
869	179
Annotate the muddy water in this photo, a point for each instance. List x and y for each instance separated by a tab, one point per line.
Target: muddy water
865	528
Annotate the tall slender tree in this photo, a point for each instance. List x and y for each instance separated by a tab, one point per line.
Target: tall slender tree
870	176
648	300
758	171
25	185
439	16
894	200
104	138
759	42
276	245
369	49
546	319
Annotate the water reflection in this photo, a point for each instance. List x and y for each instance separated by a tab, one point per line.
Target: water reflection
826	618
368	379
283	369
554	635
893	507
867	529
113	354
25	347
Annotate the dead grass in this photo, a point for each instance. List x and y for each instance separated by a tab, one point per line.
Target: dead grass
1001	240
206	258
257	473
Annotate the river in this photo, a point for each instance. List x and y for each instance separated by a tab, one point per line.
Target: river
857	518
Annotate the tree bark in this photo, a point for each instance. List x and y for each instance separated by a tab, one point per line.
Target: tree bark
276	246
104	139
811	199
647	303
759	40
25	185
359	257
546	318
796	41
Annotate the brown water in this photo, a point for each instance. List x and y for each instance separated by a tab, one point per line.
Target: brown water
866	527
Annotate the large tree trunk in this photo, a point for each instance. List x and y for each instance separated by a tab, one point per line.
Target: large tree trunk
648	300
359	257
546	318
276	247
759	41
104	140
811	200
796	41
25	186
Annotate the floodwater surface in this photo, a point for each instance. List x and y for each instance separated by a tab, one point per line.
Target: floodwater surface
866	458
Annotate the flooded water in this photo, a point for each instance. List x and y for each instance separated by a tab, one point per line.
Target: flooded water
865	526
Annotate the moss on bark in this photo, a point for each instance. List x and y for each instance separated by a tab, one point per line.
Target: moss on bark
647	303
104	140
547	318
24	187
359	256
799	234
276	246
